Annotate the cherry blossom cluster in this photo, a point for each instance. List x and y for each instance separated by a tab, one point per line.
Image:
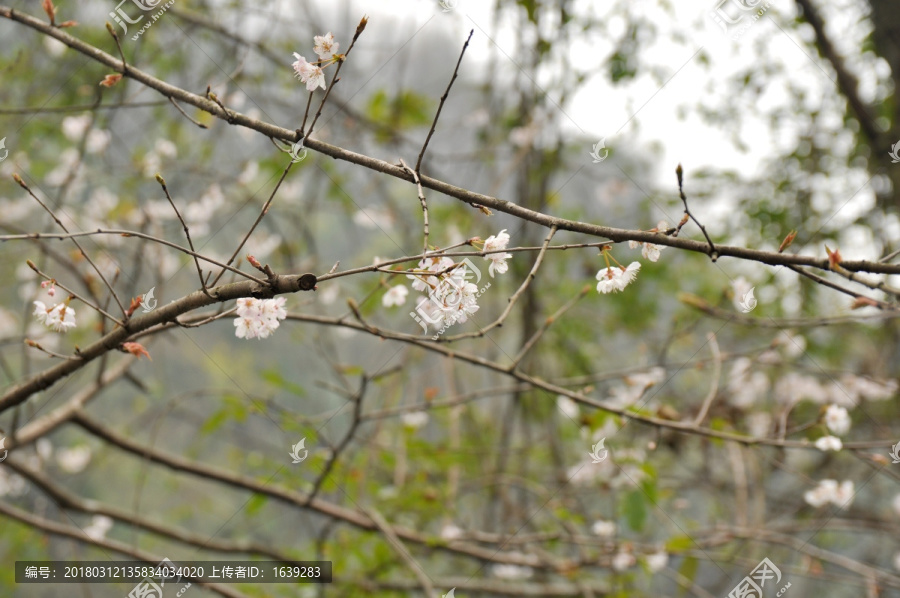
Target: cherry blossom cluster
613	279
451	296
60	317
651	251
258	318
311	73
829	491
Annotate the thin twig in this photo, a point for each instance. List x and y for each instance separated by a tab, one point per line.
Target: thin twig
713	254
131	233
837	287
546	325
22	184
218	316
441	104
470	197
714	385
115	37
335	79
75	295
259	218
38	346
186	115
187	232
335	455
415	176
398	546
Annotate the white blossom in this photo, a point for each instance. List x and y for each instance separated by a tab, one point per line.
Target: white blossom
829	443
374	218
325	46
793	387
615	279
11	484
258	318
414	419
249	173
73	460
873	390
396	295
100	524
74	127
829	491
837	420
8	325
603	528
512	571
658	561
97	141
740	286
568	407
421	282
165	148
792	345
60	317
498	260
759	424
451	532
744	388
44	449
308	73
54	47
623	560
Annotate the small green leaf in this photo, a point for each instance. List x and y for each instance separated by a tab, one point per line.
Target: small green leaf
256	502
274	377
689	570
635	510
678	544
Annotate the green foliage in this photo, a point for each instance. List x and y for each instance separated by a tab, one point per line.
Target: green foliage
405	110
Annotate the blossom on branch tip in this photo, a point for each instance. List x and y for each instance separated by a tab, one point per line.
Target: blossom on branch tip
837	420
613	279
325	47
431	264
828	491
396	295
648	250
498	260
308	73
829	443
60	317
